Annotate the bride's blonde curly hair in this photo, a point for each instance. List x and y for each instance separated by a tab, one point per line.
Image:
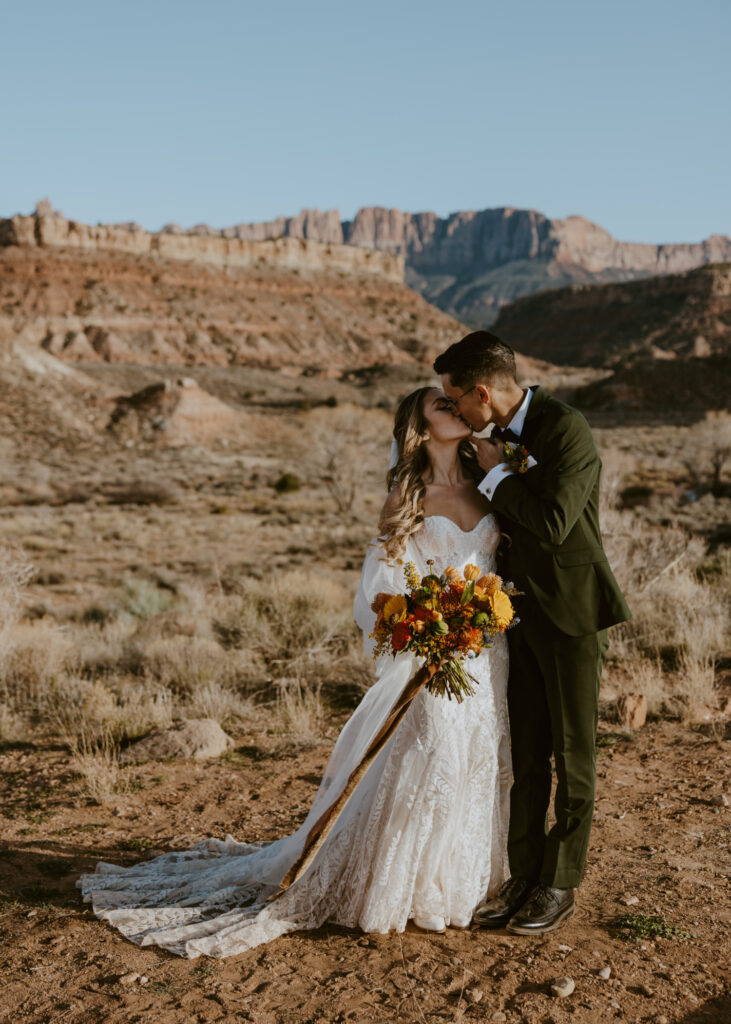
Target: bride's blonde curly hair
410	425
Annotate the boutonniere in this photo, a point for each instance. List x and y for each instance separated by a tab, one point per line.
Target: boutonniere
518	457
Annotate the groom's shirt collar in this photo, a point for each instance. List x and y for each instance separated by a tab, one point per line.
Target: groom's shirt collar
491	480
516	424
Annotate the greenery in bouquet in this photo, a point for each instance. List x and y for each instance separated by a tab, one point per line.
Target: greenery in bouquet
446	619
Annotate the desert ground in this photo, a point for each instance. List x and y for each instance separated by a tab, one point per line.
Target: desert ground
175	562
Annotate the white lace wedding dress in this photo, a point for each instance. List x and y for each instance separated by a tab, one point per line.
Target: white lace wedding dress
424	833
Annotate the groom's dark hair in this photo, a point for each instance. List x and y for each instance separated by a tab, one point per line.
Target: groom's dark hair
480	356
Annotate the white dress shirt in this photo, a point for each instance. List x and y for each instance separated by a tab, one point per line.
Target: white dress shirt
490	481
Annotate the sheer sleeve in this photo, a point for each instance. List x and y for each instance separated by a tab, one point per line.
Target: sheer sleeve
377	576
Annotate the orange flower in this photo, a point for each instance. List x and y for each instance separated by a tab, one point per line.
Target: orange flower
451	573
471	572
474	639
488	585
379	602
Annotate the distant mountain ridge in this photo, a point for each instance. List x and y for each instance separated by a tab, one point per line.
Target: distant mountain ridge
471	263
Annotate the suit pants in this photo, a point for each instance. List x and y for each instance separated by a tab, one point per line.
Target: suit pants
553	693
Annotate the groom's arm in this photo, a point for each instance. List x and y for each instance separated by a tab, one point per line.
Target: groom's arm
569	466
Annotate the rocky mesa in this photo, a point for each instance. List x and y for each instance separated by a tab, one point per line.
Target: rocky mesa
116	293
473	262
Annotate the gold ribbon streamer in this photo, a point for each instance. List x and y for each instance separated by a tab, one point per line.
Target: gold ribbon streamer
326	822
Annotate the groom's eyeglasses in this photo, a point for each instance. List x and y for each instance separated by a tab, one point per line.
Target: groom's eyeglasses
454	402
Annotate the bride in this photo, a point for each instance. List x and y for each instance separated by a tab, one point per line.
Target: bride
424	835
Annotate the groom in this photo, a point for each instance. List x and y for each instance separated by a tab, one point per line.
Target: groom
555	556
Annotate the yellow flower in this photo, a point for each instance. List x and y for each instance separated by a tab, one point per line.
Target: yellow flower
395	608
451	573
502	608
412	577
489	584
471	572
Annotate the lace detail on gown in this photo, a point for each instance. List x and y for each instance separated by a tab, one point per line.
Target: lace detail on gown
425	832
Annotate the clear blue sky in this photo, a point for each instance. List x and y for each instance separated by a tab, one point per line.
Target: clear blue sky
223	111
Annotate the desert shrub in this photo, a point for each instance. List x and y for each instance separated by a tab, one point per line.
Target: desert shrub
35	658
142	492
221	703
680	615
287	482
97	763
305	615
185	664
12	725
300	710
90	712
144	599
15	573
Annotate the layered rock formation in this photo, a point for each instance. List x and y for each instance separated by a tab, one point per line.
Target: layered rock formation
119	294
473	262
674	316
469	264
49	229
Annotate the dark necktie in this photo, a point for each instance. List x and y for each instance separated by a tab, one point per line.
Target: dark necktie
504	434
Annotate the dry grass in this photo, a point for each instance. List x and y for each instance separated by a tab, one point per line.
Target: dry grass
142	615
680	618
98	764
226	706
300	710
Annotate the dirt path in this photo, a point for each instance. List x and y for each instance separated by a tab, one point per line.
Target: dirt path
660	836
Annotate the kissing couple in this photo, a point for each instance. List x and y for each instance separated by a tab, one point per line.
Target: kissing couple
448	827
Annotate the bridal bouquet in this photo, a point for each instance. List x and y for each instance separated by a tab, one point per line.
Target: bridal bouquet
445	619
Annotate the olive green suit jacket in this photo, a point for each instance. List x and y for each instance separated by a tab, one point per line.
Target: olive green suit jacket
551	516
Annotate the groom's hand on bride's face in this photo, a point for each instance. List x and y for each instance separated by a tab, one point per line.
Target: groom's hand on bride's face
489	453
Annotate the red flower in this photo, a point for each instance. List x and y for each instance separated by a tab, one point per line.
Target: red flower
401	636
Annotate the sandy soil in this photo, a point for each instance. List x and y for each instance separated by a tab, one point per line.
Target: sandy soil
658	837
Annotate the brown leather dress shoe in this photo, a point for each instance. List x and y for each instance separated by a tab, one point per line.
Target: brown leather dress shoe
495	911
546	909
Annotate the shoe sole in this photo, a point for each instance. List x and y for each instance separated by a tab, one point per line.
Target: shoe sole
492	924
541	929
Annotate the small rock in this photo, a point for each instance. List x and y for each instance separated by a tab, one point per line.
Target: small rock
629	901
474	995
605	972
198	737
32	913
563	948
662	1019
719	800
646	991
562	987
498	1017
455	961
128	979
144	980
